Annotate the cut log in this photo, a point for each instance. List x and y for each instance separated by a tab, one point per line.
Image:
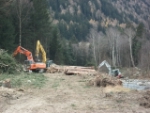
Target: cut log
79	72
71	70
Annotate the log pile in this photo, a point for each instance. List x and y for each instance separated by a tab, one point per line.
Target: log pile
54	69
78	70
71	70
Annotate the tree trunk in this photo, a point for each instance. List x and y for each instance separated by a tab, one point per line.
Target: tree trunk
113	53
94	51
20	31
20	19
131	54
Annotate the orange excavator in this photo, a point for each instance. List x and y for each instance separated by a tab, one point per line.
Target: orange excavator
30	64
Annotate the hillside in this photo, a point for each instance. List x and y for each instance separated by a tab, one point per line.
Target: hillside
76	17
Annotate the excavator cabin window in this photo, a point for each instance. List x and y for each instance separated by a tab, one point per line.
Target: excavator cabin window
28	62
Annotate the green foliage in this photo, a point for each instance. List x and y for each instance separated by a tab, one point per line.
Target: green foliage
69	57
73	40
90	60
6	27
109	10
138	9
140	30
39	26
8	63
54	44
85	8
137	43
56	4
6	33
56	50
79	28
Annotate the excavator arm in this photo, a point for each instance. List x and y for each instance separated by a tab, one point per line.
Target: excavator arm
107	65
114	72
39	48
25	52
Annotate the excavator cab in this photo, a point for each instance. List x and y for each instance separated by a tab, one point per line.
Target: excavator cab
28	62
27	65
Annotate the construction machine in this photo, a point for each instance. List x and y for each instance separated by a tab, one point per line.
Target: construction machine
113	72
39	48
30	64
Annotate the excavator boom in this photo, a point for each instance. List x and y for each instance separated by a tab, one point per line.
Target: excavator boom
39	48
113	72
25	52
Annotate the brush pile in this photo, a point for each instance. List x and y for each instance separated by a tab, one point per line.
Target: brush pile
8	63
103	81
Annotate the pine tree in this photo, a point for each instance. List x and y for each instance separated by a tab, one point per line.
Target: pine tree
69	58
56	47
137	43
40	26
7	36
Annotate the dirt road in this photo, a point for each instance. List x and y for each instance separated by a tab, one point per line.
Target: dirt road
70	94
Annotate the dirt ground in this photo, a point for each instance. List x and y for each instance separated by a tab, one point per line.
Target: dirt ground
70	94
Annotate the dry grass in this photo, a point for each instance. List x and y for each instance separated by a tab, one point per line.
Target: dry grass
70	94
115	89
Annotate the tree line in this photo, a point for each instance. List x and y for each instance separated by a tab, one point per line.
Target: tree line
126	47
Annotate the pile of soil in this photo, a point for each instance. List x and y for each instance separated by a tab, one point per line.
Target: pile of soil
145	100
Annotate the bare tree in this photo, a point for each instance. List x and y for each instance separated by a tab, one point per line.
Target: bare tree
3	5
22	5
99	45
130	33
102	47
145	56
80	52
93	35
113	35
20	19
123	56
